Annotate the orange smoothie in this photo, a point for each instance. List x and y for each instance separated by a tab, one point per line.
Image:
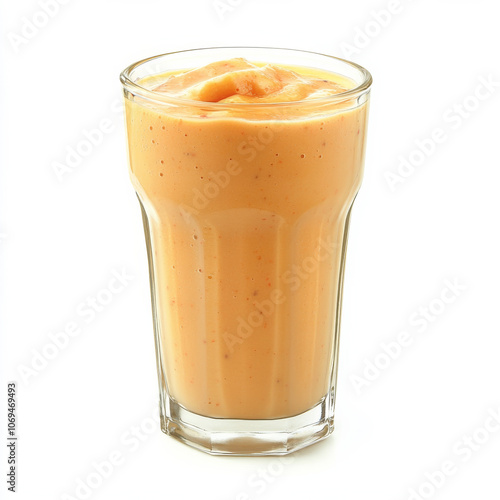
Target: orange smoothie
246	205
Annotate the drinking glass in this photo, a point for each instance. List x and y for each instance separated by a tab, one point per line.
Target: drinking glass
246	210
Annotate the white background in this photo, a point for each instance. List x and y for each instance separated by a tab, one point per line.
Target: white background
61	240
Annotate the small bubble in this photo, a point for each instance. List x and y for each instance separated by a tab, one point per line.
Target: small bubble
150	127
209	277
277	154
162	162
163	127
320	157
200	271
302	155
153	141
195	237
161	174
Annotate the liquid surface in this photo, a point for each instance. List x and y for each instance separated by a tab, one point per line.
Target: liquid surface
247	220
240	81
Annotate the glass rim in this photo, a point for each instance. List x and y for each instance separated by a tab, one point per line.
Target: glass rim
136	89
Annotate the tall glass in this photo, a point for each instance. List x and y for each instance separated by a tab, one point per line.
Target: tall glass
246	211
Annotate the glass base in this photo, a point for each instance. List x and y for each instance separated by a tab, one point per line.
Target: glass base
223	436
